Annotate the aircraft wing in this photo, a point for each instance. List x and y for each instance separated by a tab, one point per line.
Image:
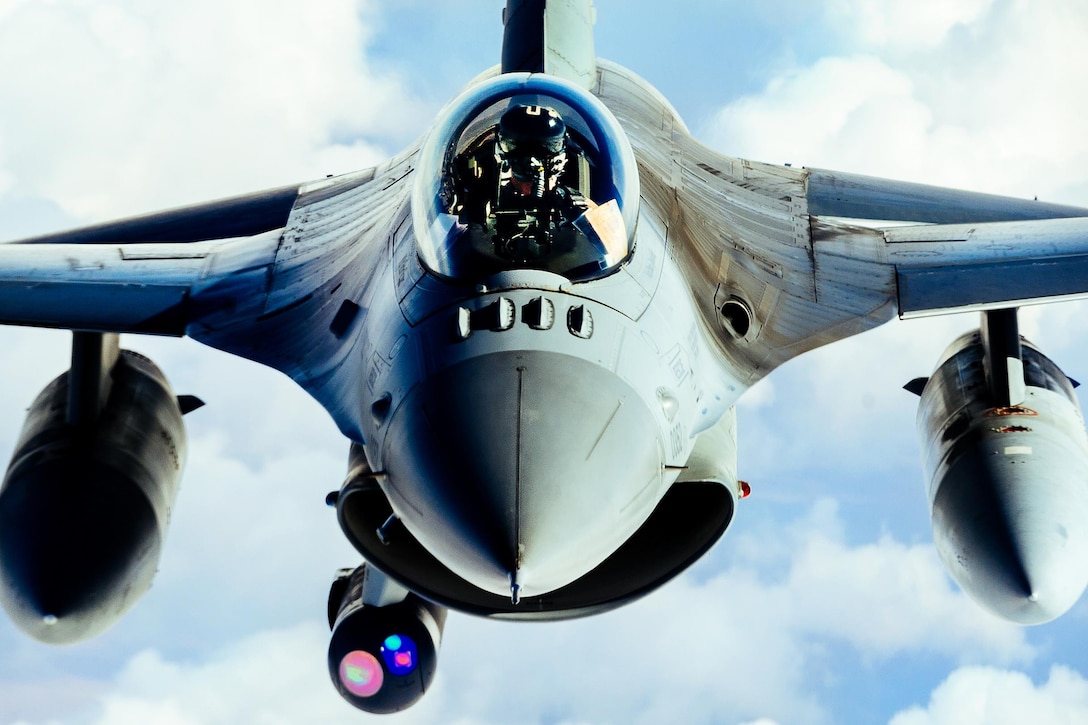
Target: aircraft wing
782	260
963	250
154	288
149	274
856	196
214	271
957	267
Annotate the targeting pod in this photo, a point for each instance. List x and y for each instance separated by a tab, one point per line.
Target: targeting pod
384	648
1006	458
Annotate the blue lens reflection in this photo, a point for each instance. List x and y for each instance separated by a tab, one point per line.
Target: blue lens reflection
400	654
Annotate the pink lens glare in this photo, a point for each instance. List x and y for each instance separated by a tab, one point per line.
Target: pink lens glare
361	673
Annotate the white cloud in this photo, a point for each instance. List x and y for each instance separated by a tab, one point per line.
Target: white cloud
810	113
855	408
995	108
134	106
273	677
989	696
904	24
914	608
758	396
746	643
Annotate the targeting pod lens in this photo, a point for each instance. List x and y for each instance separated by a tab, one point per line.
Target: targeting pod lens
382	659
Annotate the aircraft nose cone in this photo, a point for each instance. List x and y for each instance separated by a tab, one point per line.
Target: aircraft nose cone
534	466
1017	545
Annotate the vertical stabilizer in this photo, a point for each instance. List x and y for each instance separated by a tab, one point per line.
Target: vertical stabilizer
550	36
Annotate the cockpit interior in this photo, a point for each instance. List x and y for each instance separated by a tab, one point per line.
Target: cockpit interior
529	175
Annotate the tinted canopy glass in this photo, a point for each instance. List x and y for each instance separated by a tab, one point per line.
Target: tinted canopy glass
525	172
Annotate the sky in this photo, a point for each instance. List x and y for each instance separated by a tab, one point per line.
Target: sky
825	601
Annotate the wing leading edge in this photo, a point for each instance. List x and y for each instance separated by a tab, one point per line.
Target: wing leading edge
240	216
855	196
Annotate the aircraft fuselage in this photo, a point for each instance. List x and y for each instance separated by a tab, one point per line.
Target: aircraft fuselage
524	426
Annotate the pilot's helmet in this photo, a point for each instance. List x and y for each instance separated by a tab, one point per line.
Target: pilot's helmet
532	140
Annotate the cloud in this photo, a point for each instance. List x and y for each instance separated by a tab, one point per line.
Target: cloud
747	642
989	696
855	409
973	109
817	111
903	24
134	106
758	396
914	608
273	677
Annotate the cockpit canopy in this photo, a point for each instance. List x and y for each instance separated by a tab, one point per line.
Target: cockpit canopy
525	172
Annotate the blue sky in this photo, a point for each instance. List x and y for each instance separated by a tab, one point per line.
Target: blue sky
824	603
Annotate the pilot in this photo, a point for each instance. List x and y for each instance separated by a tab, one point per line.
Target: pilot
510	193
532	150
533	211
517	205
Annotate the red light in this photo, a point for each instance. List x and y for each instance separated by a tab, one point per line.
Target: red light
745	489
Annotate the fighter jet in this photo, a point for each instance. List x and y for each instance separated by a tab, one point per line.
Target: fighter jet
532	327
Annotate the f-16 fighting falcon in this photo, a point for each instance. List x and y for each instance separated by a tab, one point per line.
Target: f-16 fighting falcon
532	327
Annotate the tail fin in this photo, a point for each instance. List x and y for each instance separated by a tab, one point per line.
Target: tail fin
553	37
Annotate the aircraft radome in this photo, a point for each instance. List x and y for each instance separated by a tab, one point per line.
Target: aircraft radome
533	328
